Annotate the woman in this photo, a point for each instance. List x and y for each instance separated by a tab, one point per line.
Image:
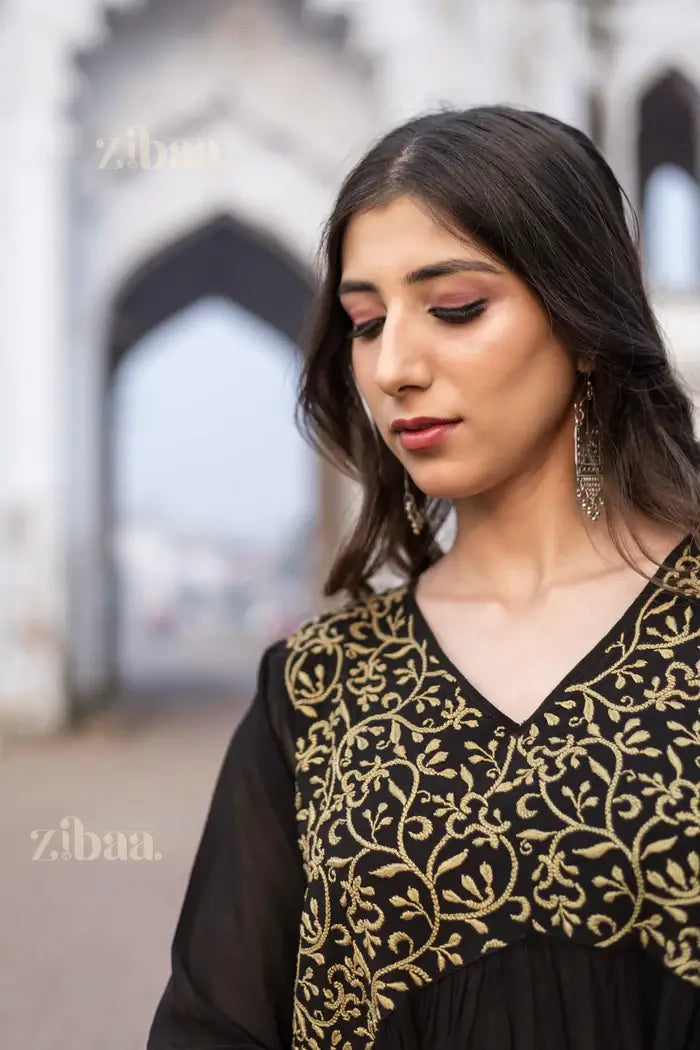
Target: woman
464	812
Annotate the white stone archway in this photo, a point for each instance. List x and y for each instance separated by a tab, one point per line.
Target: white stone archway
257	153
79	227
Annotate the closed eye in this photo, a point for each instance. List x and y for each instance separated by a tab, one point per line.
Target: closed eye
449	314
459	314
368	329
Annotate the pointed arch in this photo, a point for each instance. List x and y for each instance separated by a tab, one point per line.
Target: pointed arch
223	258
669	192
668	126
145	242
220	258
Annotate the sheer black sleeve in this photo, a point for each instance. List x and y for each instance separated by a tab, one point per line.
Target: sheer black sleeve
235	945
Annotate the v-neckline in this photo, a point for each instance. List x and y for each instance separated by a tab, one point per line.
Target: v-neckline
425	634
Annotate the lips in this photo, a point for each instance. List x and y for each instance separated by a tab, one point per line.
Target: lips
426	437
420	423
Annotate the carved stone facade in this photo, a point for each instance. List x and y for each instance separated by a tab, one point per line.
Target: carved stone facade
275	100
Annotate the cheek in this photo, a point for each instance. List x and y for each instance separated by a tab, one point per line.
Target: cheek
515	381
504	351
524	409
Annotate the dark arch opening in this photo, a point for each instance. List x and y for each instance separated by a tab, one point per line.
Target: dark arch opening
667	180
221	258
667	127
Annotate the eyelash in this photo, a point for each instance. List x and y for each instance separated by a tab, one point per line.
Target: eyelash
450	315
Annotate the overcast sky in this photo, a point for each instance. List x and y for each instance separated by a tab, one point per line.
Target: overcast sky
204	430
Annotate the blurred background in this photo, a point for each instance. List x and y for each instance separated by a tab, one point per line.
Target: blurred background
168	165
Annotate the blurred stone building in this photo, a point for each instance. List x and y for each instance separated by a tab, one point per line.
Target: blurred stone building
158	152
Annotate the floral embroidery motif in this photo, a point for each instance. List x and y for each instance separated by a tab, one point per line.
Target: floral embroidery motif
432	834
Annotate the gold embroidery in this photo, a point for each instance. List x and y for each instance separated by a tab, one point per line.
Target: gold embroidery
432	834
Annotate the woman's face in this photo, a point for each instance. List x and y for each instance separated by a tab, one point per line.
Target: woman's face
440	329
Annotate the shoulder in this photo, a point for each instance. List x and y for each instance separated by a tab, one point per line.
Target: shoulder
321	651
299	674
350	621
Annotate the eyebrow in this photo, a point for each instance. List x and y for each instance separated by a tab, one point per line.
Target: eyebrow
426	273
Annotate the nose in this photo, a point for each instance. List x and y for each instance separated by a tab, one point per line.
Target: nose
401	360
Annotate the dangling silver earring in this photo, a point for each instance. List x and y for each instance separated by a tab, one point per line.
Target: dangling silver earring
588	458
414	516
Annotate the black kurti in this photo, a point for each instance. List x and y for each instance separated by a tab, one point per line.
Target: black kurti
390	862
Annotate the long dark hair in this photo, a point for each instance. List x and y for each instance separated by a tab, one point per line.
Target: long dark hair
537	194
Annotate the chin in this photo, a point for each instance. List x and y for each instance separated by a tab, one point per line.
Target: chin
446	484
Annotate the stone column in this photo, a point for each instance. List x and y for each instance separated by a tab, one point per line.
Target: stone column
33	85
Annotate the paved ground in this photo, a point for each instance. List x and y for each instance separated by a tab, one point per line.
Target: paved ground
85	944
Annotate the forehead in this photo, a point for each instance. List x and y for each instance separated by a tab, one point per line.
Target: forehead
400	236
